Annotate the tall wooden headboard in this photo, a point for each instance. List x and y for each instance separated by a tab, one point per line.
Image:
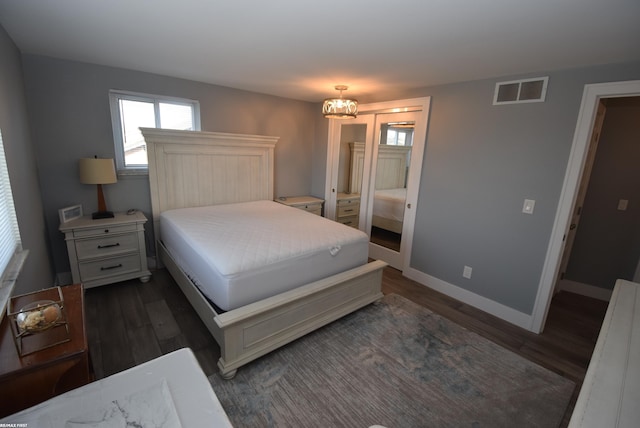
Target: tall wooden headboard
193	169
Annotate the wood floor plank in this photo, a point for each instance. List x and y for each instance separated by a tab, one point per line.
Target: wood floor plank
162	320
116	349
131	305
145	346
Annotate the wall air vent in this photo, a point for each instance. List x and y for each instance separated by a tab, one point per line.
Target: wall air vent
521	91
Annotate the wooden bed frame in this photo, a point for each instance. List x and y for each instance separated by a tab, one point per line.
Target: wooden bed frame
188	169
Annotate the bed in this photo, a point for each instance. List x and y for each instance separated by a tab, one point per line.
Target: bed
191	170
388	209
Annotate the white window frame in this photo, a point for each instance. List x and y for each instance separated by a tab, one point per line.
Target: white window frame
13	256
114	102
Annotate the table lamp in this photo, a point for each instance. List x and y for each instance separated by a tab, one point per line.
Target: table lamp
98	171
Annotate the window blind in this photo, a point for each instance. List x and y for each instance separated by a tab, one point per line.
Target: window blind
9	234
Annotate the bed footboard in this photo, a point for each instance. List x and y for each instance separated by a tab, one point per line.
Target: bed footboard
252	331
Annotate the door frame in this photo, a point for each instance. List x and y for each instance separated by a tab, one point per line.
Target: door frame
586	119
583	186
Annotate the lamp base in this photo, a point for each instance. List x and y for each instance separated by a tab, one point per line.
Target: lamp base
102	214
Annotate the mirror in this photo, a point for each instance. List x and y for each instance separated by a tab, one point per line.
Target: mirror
392	169
355	147
350	173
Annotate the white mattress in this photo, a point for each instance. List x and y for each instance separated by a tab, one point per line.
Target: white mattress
389	203
241	253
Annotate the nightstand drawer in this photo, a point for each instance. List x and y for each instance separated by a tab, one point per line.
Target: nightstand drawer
109	267
348	209
353	201
106	230
349	221
314	209
106	246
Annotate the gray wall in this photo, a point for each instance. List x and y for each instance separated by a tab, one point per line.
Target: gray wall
607	244
69	110
481	162
23	173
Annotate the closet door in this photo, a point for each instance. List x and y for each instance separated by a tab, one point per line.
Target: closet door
383	171
347	166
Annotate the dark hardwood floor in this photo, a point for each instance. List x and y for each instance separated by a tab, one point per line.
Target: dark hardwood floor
129	323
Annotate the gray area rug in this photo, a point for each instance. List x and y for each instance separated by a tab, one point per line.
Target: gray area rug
396	364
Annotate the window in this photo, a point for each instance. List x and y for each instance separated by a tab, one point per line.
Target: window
131	111
398	133
396	138
11	255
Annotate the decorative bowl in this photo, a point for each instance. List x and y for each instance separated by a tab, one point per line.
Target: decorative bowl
38	316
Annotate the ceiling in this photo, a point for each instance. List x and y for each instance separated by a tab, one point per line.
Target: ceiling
301	49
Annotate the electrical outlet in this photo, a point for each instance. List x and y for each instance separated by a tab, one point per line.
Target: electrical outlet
623	204
529	205
466	272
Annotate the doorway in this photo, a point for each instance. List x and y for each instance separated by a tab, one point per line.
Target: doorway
586	119
603	239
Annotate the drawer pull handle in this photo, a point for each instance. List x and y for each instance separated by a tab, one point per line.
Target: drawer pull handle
349	210
106	231
119	265
100	247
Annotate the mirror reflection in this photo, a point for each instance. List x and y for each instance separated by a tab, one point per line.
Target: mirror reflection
394	157
350	170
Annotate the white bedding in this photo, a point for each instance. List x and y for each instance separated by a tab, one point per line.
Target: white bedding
389	203
241	253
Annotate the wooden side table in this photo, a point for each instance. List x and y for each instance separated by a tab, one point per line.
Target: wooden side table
36	377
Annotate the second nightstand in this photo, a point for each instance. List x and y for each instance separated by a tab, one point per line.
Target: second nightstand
107	250
349	209
307	203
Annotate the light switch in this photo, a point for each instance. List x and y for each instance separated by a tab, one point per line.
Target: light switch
528	206
466	272
623	204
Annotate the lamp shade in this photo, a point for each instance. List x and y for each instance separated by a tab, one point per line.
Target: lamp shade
97	171
340	108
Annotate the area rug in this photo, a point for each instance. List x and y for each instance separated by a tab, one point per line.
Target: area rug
396	364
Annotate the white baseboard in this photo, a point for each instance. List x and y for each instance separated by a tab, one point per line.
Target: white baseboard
487	305
585	289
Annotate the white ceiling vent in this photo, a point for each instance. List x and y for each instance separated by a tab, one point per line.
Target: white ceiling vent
521	91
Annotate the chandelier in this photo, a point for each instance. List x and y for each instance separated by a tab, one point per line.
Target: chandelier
340	108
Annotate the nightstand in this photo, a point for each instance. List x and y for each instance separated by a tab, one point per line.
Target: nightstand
107	250
307	203
38	376
348	209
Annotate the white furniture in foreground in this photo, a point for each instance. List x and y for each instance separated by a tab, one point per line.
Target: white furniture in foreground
190	401
611	389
